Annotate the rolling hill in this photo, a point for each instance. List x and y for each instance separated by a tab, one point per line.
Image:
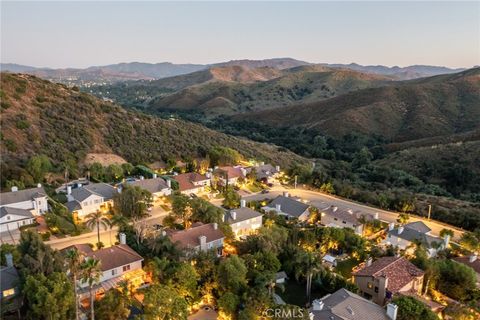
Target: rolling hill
424	108
39	117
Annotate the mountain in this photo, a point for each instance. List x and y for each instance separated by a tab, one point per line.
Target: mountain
39	117
277	63
399	73
423	108
231	90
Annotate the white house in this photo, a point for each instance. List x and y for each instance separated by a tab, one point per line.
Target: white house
19	207
158	187
200	237
192	182
289	207
243	221
90	198
344	218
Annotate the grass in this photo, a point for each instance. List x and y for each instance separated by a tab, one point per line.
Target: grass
253	188
345	267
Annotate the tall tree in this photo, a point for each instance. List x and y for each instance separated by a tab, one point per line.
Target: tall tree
74	260
163	302
91	274
37	257
411	309
115	305
132	202
232	275
95	220
38	166
308	264
231	198
181	208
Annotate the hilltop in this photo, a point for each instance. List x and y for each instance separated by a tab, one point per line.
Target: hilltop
39	117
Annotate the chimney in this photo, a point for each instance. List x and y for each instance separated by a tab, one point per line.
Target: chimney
39	185
169	183
317	305
262	163
244	172
69	190
142	177
277	168
223	218
375	216
154	176
446	240
286	194
335	209
400	229
208	175
278	207
14	189
391	226
350	211
215	225
9	259
472	258
392	310
234	215
243	203
164	233
79	185
203	242
369	262
122	237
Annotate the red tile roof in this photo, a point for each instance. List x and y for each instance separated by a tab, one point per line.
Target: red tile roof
190	238
185	180
233	172
399	272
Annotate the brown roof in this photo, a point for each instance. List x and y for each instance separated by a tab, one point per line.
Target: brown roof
475	265
185	180
190	238
84	248
233	172
399	272
115	256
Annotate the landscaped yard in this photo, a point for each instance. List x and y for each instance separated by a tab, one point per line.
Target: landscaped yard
295	293
345	267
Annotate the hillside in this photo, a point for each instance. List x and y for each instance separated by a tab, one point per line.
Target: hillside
437	106
39	117
277	63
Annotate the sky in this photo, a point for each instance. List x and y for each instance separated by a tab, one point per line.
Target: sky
82	34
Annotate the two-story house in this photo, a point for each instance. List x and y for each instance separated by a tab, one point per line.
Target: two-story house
265	173
243	221
405	237
343	218
192	182
230	175
381	279
200	237
10	298
18	207
90	198
158	187
289	207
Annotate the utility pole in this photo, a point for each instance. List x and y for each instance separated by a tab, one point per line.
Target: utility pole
295	182
429	211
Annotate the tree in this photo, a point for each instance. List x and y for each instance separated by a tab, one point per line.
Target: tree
74	261
228	303
95	219
361	158
132	202
115	305
205	212
327	187
91	274
232	275
38	166
403	218
410	308
127	168
470	241
114	172
49	297
308	265
445	232
97	172
455	279
231	199
181	208
163	302
185	281
36	257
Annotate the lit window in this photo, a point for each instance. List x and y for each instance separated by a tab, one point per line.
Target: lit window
370	285
8	293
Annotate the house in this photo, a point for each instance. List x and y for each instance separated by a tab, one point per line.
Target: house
158	187
230	175
243	221
10	298
158	166
289	207
280	277
13	218
329	261
344	218
473	262
200	237
192	182
265	173
90	198
380	280
346	305
405	237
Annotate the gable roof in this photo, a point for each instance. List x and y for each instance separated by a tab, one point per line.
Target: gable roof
233	172
21	195
73	205
185	180
264	171
189	238
346	305
152	185
343	215
399	272
114	257
289	206
242	215
19	212
100	189
418	226
412	234
9	278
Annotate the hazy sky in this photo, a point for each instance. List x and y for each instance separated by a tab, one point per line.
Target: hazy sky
80	34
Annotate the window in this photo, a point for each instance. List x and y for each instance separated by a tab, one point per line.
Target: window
335	219
376	289
126	268
8	217
114	272
344	222
369	285
8	292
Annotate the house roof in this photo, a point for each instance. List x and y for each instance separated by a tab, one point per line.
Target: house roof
8	278
185	180
73	205
413	234
475	265
19	212
114	257
281	275
242	214
233	172
100	189
289	206
157	165
84	248
345	305
418	226
189	238
398	270
21	195
151	185
343	214
264	171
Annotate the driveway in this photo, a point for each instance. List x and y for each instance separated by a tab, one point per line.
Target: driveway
10	237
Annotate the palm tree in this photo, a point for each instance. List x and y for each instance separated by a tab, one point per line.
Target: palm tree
96	219
116	220
91	275
74	260
308	265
